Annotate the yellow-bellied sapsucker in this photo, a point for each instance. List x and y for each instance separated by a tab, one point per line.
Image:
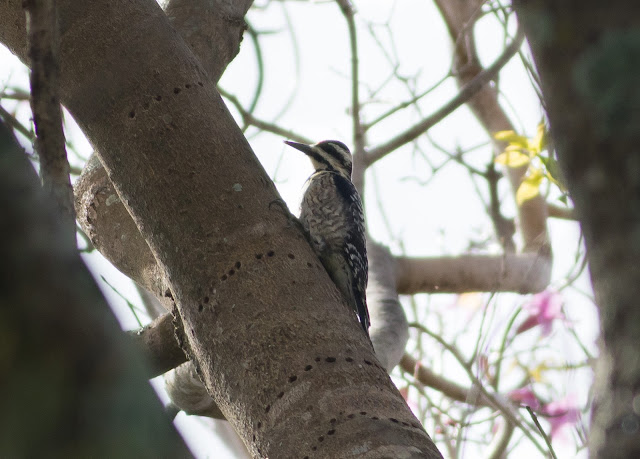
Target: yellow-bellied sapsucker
331	213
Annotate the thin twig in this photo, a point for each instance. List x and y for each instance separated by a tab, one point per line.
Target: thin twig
15	94
506	411
466	93
294	88
542	432
500	442
458	156
132	307
248	118
503	345
14	123
405	104
259	64
296	62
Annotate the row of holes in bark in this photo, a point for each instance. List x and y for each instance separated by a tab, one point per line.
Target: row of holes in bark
232	271
334	421
238	265
158	98
294	378
259	256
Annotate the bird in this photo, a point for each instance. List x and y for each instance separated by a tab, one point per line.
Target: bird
332	215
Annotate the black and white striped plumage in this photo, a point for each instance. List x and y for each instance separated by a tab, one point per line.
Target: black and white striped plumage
331	212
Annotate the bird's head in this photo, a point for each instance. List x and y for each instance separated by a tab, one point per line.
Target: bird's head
328	155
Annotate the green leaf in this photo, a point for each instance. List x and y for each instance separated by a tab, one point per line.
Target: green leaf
553	172
553	168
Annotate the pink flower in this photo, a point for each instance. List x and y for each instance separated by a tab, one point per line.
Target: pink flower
543	309
525	397
561	413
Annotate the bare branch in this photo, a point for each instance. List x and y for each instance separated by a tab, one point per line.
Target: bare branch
109	226
403	105
212	30
500	441
11	121
505	228
498	402
449	388
389	328
15	94
561	212
523	273
542	432
467	92
42	24
188	393
359	160
158	344
249	119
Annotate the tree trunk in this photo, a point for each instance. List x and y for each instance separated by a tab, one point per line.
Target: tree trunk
588	57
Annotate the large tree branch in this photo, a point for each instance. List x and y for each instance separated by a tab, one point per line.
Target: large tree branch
237	268
389	327
522	273
108	224
213	30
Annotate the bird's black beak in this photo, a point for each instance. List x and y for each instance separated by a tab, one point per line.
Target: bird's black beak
304	148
